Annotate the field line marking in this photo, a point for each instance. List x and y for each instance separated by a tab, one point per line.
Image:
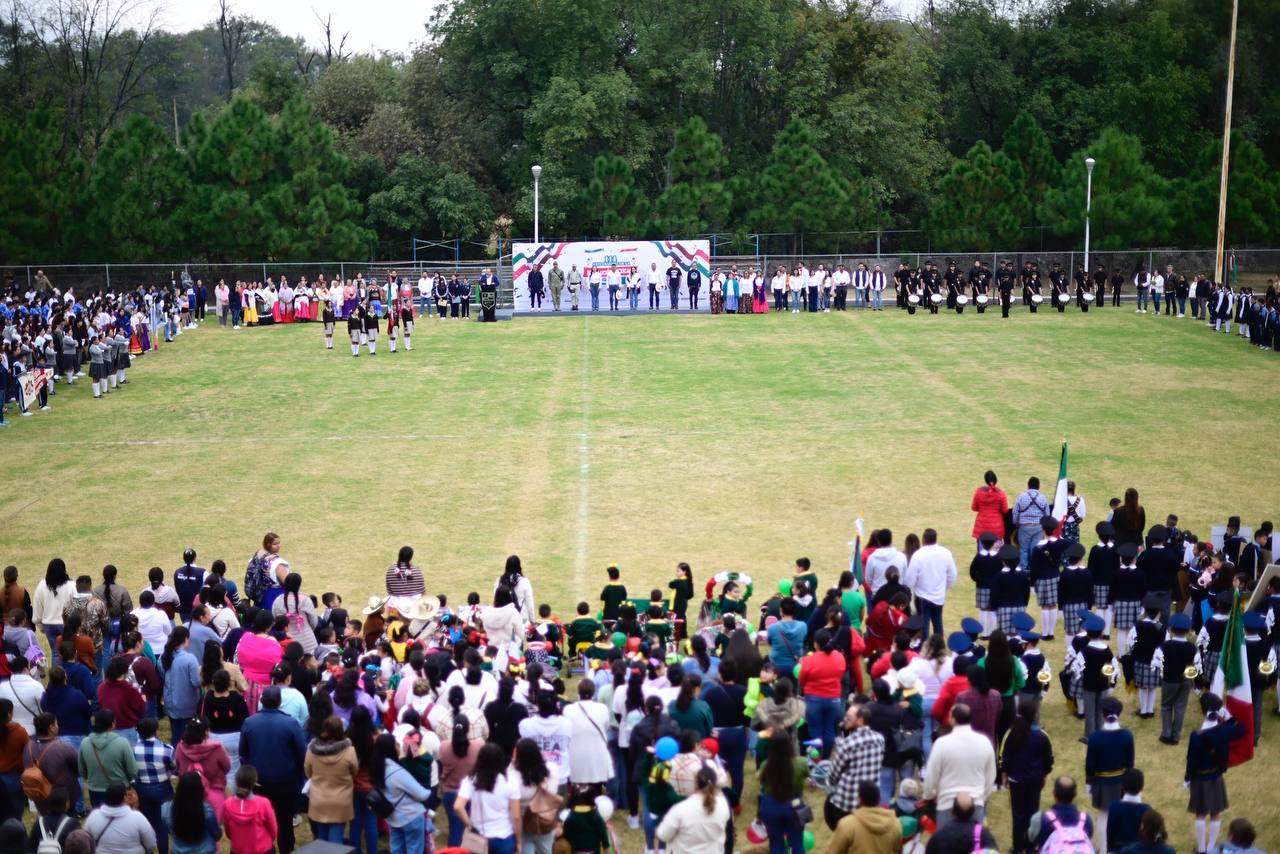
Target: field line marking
584	466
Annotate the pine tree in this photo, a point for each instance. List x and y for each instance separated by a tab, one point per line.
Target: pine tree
698	200
798	191
1026	143
1253	195
623	211
36	184
981	202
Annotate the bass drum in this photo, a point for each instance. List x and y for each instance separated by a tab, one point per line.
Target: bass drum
1088	297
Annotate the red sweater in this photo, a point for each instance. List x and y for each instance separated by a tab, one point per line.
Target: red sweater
123	699
821	674
951	689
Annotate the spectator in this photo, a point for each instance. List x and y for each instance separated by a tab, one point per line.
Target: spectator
1152	837
54	822
93	620
106	757
203	633
331	766
689	711
930	574
1027	512
1129	520
984	702
870	828
118	829
141	671
154	784
181	673
856	760
887	717
153	623
69	707
881	560
590	761
959	826
363	735
13	743
188	580
962	762
115	597
250	820
23	691
990	503
189	818
697	825
532	773
13	596
497	798
122	699
821	679
457	759
782	781
274	744
257	653
55	758
1064	818
1240	838
1026	758
299	610
207	757
780	714
1124	817
53	594
549	729
786	637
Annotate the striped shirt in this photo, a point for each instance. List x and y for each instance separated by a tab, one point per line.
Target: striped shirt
405	582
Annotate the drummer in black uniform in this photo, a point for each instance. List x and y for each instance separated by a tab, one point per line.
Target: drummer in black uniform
1034	288
1005	280
980	284
1059	288
902	285
932	281
1081	279
954	281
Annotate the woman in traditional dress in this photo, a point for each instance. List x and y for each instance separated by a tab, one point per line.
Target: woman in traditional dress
137	346
249	306
1075	514
732	290
717	292
349	299
759	296
302	301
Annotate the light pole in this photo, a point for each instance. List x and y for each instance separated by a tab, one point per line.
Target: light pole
1088	203
537	173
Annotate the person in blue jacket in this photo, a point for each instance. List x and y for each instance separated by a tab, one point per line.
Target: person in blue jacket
274	744
1207	756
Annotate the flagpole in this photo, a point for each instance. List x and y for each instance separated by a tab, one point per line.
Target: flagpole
1226	144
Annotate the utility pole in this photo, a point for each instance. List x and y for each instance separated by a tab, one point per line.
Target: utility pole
1226	144
177	142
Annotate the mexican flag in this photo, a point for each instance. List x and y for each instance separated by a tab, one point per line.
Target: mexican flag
1060	495
1231	683
855	559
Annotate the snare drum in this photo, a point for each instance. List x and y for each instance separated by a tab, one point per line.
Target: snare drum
935	299
982	299
1037	299
961	299
1088	297
1064	297
913	299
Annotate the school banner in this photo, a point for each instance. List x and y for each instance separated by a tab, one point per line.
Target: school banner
32	381
628	258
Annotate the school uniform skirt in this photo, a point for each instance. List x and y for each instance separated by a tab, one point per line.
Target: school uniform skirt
1209	663
1047	593
1127	613
1208	797
1101	595
1146	676
355	336
328	330
97	372
1071	616
1106	790
1005	614
982	598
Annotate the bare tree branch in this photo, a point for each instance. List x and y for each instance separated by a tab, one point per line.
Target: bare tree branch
332	53
232	31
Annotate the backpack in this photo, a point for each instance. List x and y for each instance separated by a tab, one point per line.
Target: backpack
1067	839
35	785
49	843
543	813
255	578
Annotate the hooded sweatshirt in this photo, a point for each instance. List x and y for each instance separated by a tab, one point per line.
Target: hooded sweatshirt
120	830
867	830
210	760
113	761
250	824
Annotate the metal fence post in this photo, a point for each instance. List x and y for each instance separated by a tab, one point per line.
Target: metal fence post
264	273
108	268
878	245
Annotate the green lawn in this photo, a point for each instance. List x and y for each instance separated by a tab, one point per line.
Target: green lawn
730	442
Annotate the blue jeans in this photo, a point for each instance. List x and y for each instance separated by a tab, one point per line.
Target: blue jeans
130	735
364	824
231	743
797	299
635	300
178	726
1155	301
786	833
859	298
733	752
927	708
152	796
821	714
455	824
931	614
505	845
1028	537
1142	298
826	300
1182	305
617	785
329	832
877	300
411	838
17	802
51	634
595	297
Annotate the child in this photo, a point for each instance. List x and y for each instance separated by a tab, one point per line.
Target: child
1104	560
249	820
1171	660
1046	567
657	625
1010	590
983	570
583	630
803	594
613	595
1075	589
584	827
1039	676
1214	633
1144	638
1241	835
334	614
549	631
803	572
325	642
1128	587
1124	815
682	584
1113	504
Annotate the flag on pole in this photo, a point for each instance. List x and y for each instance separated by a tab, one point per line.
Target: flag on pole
855	559
1060	496
1231	683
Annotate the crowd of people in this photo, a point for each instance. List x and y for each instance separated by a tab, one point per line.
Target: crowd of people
197	708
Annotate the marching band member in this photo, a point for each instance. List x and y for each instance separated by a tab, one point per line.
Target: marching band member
980	282
328	317
955	287
1058	288
932	280
1033	288
1144	638
1045	567
1173	660
983	571
1214	631
1261	658
1096	667
1081	279
1075	589
1004	281
1104	560
1010	590
1128	587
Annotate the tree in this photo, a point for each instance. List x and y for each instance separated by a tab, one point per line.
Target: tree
1253	195
981	203
272	84
1027	145
234	34
433	200
797	191
349	91
134	206
36	183
1131	203
620	208
698	200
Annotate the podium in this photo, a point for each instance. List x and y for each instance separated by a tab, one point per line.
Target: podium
488	302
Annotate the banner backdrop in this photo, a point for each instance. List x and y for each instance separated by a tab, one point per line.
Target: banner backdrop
628	257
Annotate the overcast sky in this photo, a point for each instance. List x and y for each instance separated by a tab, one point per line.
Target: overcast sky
374	25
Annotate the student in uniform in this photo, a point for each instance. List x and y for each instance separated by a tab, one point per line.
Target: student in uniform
1172	659
1128	587
1108	757
97	372
440	293
393	324
1104	560
1004	281
1058	288
983	570
613	595
355	328
1261	659
1010	590
406	321
371	330
1207	754
1081	280
327	316
1096	667
1039	675
1144	638
1045	567
1075	589
1214	632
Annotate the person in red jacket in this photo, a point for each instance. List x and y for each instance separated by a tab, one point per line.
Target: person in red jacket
121	697
885	621
990	503
821	676
952	688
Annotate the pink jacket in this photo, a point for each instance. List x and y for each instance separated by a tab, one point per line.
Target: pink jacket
257	656
208	758
250	825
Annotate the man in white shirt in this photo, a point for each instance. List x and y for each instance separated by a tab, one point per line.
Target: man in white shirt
877	289
25	693
961	762
881	559
861	281
1157	290
1140	280
931	573
426	284
594	284
153	624
778	284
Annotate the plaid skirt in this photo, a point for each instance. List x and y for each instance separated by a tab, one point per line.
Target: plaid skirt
1005	615
1101	595
1070	617
1127	613
1208	797
1209	664
982	598
1146	676
1047	593
1075	687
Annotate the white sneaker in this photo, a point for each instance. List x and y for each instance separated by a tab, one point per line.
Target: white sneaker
44	409
26	414
633	822
1182	315
235	327
79	373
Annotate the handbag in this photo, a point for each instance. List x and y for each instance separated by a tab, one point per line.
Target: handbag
130	794
804	812
472	840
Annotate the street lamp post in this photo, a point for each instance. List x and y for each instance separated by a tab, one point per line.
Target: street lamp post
537	173
1088	203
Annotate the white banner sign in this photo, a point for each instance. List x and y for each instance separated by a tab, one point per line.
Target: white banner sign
627	258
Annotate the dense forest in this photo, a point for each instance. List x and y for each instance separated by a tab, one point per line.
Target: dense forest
967	126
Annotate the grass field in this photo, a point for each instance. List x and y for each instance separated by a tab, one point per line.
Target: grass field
730	442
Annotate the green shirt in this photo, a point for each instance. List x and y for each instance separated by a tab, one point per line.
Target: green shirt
613	595
697	717
854	603
811	581
732	606
583	630
114	756
585	830
661	628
